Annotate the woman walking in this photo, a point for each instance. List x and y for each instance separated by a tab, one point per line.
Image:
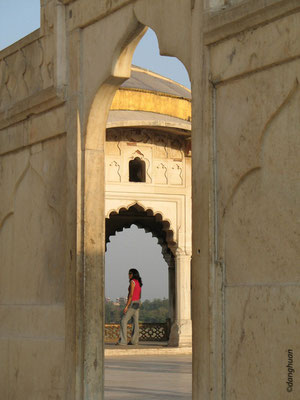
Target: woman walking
131	309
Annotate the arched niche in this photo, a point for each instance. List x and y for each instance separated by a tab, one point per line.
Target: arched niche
137	170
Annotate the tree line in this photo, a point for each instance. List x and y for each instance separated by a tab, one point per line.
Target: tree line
156	310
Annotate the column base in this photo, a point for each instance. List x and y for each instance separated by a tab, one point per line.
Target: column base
181	334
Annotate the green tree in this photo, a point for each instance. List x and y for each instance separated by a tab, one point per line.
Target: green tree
156	310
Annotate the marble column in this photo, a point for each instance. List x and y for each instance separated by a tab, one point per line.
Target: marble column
181	330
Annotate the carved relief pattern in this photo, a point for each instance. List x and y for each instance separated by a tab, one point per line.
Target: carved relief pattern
47	65
164	164
112	148
176	174
113	135
173	146
113	172
26	71
32	202
161	174
32	75
175	149
17	64
4	76
154	332
261	218
161	143
138	136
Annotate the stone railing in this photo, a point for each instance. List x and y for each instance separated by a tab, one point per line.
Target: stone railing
149	332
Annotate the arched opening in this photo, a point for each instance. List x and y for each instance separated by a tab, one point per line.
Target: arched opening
148	139
137	238
137	170
170	171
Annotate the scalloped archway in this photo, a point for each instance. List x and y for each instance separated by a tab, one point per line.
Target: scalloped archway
149	221
144	218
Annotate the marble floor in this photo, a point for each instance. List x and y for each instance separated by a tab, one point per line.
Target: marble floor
147	377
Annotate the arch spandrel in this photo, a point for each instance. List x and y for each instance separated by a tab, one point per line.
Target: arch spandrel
102	75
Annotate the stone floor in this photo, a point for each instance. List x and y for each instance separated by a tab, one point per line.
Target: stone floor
147	377
145	348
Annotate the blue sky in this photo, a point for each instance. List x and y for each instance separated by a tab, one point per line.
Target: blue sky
147	56
132	248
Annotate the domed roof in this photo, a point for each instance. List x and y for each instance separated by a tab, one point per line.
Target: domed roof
145	80
148	99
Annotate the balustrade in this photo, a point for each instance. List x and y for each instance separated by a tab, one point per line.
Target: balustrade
149	332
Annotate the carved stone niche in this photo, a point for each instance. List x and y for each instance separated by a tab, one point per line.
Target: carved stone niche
138	155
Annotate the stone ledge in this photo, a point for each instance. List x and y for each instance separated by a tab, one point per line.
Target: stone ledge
19	44
36	129
230	21
35	104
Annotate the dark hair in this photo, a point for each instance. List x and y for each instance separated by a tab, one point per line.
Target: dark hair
136	275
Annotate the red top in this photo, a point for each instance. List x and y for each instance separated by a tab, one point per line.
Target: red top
136	291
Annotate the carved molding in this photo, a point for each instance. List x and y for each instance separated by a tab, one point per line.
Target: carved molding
162	153
169	142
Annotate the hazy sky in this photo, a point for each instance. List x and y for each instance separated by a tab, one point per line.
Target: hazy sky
132	248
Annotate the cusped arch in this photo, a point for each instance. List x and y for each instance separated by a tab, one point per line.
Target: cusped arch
144	218
140	207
